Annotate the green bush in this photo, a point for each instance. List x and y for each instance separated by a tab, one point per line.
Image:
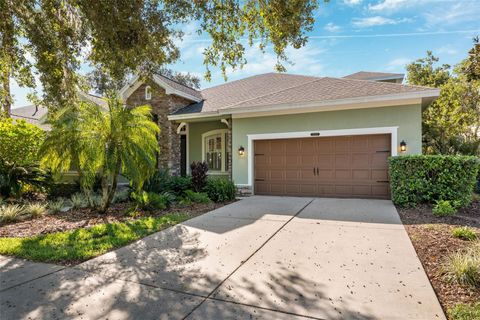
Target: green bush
15	178
220	190
427	178
162	181
444	208
150	200
197	197
19	141
464	312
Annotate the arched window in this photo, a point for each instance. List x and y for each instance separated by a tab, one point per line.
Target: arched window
214	150
148	93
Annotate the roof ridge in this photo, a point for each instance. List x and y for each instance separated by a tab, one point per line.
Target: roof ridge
238	80
275	92
383	83
177	82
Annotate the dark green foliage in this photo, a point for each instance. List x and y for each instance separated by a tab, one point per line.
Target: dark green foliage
62	190
162	181
429	178
199	174
13	178
444	208
150	200
220	190
197	197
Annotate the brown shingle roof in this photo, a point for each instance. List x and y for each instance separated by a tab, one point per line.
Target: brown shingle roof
276	89
368	75
31	114
180	87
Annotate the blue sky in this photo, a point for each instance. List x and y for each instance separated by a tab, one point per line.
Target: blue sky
349	36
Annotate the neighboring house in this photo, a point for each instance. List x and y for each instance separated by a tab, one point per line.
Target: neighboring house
377	76
283	134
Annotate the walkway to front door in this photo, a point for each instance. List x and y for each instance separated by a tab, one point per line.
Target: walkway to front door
261	258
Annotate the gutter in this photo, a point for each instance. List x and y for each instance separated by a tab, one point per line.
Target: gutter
312	106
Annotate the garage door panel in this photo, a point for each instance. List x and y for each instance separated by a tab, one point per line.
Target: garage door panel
343	174
359	174
325	146
343	161
362	190
361	160
379	160
348	166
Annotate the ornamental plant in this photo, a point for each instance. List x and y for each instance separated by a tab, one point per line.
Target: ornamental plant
19	141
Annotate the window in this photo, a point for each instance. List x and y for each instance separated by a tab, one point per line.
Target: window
148	93
214	150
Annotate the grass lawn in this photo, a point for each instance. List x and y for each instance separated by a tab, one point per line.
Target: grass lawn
78	245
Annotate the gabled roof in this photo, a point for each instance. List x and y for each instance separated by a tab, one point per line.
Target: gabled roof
375	76
291	91
34	114
171	87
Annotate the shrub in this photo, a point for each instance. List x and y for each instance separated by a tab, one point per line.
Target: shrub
35	209
56	206
162	181
11	213
464	233
79	200
19	141
197	197
13	178
444	208
121	195
220	190
149	200
464	312
464	267
199	175
428	178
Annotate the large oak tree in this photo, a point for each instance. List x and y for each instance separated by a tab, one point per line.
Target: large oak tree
135	36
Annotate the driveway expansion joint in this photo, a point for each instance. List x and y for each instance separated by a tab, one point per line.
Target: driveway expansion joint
249	257
33	279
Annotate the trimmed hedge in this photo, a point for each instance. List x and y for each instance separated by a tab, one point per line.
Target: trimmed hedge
428	178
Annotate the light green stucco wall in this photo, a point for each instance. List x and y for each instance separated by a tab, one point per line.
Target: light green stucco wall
195	131
407	118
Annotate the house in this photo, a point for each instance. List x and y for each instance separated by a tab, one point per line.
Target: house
377	76
284	134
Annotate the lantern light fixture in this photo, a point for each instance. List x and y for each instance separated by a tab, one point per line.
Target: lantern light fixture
403	146
241	151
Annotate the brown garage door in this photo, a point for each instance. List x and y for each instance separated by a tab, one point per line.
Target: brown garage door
346	166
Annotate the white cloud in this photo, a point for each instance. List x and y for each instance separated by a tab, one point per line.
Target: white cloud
447	49
398	64
458	13
331	27
352	2
377	21
391	5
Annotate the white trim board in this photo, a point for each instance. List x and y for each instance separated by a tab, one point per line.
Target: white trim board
393	131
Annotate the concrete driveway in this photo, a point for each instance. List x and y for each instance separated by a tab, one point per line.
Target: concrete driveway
262	258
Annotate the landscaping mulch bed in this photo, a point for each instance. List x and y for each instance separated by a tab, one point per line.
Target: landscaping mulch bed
82	218
433	241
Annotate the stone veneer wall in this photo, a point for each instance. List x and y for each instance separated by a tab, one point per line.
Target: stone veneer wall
163	105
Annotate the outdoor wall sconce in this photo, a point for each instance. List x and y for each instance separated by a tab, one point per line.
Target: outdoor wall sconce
403	146
241	151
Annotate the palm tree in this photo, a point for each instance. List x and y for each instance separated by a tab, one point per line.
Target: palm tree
104	142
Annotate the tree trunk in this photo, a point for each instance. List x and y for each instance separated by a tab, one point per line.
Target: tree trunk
6	60
109	190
